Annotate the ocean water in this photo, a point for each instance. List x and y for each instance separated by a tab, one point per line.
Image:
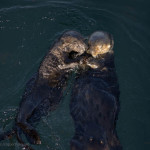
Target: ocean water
29	27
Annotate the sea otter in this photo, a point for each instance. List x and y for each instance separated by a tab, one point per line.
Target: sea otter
45	89
94	102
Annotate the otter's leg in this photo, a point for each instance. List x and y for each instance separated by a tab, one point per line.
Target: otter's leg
28	105
25	112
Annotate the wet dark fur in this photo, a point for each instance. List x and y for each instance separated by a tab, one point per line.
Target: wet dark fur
45	89
94	107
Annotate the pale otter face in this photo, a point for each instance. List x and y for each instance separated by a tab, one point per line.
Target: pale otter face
74	42
100	43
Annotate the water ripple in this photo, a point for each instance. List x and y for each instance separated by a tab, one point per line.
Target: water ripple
52	3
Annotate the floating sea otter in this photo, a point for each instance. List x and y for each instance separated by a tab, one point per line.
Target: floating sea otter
95	98
45	89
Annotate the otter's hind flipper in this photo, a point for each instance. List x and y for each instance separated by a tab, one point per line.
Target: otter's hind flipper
30	133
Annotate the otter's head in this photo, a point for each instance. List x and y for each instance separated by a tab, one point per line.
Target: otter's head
100	42
92	138
73	43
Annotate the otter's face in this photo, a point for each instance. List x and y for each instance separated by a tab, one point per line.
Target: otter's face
100	43
93	138
74	42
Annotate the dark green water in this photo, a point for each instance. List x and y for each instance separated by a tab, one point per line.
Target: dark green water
29	27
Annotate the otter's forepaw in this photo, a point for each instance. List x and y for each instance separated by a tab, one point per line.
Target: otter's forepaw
68	66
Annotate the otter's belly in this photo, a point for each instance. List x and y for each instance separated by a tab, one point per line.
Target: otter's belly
94	109
90	102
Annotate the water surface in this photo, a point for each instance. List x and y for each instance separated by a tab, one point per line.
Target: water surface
27	30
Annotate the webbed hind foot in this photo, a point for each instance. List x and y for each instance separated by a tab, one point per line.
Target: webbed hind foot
30	133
